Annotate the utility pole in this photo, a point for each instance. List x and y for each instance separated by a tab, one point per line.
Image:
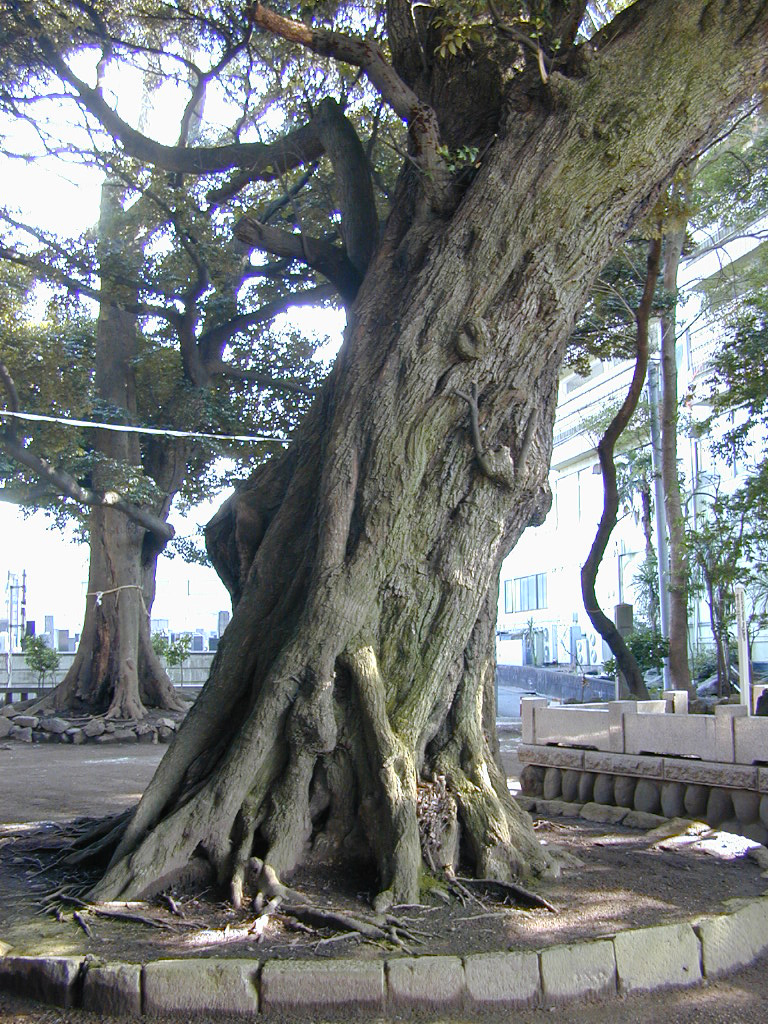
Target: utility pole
662	548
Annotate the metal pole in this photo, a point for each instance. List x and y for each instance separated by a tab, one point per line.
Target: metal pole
662	548
741	625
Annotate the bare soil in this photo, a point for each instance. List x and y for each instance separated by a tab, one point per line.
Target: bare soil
620	878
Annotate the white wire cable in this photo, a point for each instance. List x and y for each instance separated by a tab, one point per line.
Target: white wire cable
130	429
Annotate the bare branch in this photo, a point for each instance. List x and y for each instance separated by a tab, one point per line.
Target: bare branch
496	465
66	486
212	342
264	380
264	161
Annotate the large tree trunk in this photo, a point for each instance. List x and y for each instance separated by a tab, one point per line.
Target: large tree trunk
115	670
679	669
364	561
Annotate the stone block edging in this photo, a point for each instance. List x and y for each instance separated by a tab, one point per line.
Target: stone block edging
636	960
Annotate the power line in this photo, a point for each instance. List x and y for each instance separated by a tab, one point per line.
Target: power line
130	429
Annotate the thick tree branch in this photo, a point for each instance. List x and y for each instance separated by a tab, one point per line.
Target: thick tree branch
354	189
419	116
407	54
267	162
264	161
66	486
315	252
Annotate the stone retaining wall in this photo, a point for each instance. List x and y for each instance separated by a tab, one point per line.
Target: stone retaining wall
566	686
638	960
26	728
651	757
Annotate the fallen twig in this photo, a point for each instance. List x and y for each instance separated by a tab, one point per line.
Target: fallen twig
79	919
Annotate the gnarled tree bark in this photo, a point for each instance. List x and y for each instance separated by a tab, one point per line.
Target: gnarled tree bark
363	562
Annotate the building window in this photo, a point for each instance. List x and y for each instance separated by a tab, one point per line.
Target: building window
530	592
509	599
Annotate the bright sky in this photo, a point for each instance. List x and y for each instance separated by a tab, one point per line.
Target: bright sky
189	596
65	197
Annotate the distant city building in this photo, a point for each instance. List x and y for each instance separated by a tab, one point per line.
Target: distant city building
224	617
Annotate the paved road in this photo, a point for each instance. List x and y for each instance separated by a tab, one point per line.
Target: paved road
56	782
508	702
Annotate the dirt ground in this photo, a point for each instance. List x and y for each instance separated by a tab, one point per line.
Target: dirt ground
58	782
620	878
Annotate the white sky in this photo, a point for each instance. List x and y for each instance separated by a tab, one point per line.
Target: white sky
189	596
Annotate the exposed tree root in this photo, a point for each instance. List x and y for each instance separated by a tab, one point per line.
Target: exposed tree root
504	890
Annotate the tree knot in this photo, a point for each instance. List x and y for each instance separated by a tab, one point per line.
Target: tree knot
473	339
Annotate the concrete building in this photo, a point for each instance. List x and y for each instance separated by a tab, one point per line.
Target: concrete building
540	588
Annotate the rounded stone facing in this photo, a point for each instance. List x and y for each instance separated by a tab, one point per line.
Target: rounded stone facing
604	791
672	799
553	781
624	790
719	807
532	780
586	787
571	785
756	831
746	804
647	796
695	800
764	809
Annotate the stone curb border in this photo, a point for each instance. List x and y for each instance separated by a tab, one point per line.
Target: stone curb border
637	960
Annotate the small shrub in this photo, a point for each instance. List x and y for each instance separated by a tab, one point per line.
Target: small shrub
175	652
704	664
649	647
41	658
